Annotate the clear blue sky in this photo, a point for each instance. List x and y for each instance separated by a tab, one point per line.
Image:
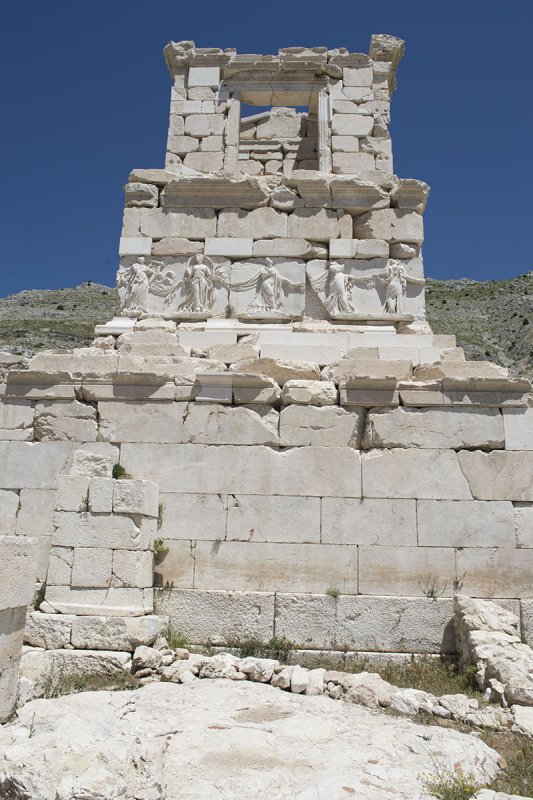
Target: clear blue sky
85	95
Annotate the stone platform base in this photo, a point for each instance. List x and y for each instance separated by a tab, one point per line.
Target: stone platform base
311	622
55	631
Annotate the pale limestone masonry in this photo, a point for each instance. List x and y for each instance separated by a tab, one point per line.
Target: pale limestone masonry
329	470
17	582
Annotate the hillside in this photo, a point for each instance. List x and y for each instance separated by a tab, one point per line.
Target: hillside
492	320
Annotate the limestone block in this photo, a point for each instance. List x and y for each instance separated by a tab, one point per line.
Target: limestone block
218	616
115	633
410	193
9	678
428	474
25	465
357	76
352	163
518	424
273	519
197	125
296	248
358	372
523	520
133	569
393	225
254	388
51	631
231	353
135	497
60	566
129	421
358	94
526	609
345	144
275	290
100	496
352	125
204	162
192	516
465	523
282	123
9	503
212	144
16	414
203	76
279	370
175	566
17	571
35	516
309	393
91	567
49	428
181	145
97	531
434	427
187	223
386	624
65	408
243	566
96	461
499	475
147	343
320	225
500	572
135	246
414	571
358	248
97	602
131	222
368	398
176	247
216	424
403	250
230	247
141	195
321	355
203	469
377	522
261	223
308	425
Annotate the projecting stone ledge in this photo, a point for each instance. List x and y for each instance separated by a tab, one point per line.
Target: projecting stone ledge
214	192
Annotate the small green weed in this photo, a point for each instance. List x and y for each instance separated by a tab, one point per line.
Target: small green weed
60	684
333	592
159	547
160	512
448	785
118	472
176	638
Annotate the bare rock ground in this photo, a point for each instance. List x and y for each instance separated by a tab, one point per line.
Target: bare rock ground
224	739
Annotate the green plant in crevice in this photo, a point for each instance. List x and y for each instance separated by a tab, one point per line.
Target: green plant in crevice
118	472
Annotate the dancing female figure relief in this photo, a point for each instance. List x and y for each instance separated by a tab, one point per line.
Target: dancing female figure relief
270	289
142	279
395	280
336	286
198	286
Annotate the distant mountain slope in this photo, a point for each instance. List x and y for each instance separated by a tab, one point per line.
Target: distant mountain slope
492	320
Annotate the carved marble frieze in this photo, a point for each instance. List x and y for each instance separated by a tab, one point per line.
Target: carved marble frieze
269	289
194	288
352	288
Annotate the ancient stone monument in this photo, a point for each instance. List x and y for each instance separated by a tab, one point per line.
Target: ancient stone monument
310	460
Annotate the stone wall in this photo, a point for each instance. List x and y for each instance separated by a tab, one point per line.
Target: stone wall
335	506
17	582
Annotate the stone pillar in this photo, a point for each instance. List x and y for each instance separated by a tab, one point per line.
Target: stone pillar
324	146
18	557
233	125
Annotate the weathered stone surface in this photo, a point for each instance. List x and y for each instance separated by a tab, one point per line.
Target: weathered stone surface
291	567
254	388
34	466
218	616
273	519
393	225
91	567
51	631
503	572
309	425
187	223
261	223
300	730
193	516
94	530
151	342
9	503
410	472
386	624
281	371
434	428
523	519
379	522
16	414
196	469
498	476
411	571
309	223
135	497
306	392
465	523
17	571
217	425
359	372
138	195
518	424
112	602
133	569
231	353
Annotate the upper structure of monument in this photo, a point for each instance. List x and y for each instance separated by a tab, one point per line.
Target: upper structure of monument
278	200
